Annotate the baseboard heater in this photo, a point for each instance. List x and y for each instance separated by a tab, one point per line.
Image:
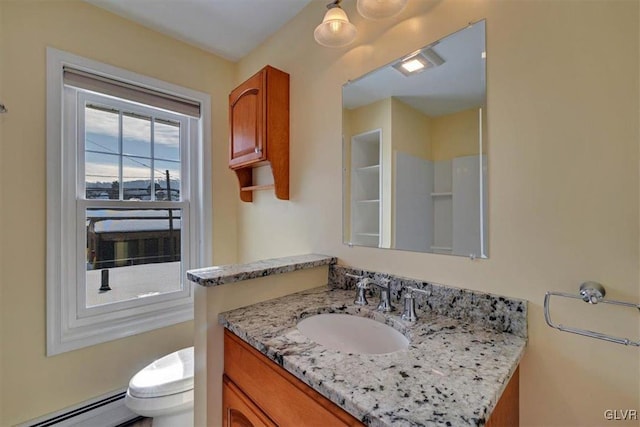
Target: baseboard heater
104	411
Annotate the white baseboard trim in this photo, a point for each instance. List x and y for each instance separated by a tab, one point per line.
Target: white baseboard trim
104	411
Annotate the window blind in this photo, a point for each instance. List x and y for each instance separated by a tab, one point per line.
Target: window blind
105	85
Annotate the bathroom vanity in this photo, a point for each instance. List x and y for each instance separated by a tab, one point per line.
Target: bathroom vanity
460	368
453	373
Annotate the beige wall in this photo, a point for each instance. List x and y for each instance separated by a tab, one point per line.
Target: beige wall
370	117
411	131
33	384
563	175
455	135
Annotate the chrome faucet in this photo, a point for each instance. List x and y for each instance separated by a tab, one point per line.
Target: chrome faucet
409	312
365	283
385	295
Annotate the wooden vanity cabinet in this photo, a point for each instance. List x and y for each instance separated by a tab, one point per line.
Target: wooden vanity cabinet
259	130
258	391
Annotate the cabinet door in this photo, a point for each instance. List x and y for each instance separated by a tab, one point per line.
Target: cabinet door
287	400
247	117
238	410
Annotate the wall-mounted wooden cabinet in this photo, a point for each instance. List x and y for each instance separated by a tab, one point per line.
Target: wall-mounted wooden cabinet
259	131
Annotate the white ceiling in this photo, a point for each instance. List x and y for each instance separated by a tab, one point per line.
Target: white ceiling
228	28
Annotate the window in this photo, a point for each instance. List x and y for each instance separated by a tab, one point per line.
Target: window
126	210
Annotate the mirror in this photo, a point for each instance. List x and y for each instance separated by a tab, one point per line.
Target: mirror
415	150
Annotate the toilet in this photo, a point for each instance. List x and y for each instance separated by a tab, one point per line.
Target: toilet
163	390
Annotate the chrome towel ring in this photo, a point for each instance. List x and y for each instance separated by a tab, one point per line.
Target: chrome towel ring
592	293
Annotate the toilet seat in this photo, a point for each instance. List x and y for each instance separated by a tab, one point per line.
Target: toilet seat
157	406
170	375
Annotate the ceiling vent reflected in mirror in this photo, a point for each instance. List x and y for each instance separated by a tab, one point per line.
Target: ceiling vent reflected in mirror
418	62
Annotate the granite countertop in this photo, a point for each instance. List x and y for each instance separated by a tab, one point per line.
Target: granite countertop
452	374
230	273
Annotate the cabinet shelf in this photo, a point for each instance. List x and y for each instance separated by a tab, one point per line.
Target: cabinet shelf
258	187
368	234
370	201
442	194
441	248
372	168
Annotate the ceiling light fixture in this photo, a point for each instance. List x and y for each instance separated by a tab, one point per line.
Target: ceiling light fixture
418	62
380	9
335	29
412	65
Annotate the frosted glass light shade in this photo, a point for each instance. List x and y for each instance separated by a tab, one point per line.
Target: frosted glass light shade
335	30
380	9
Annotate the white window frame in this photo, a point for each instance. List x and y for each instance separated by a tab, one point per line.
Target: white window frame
69	324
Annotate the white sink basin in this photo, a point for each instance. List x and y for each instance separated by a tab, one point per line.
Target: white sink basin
352	334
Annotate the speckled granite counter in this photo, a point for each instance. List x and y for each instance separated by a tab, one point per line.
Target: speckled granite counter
452	374
223	274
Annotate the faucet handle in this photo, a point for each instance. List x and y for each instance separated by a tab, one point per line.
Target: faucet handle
409	312
362	286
